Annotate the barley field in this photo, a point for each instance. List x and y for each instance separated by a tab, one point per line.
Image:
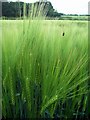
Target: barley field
45	69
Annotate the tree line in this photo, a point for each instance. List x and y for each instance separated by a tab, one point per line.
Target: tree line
16	9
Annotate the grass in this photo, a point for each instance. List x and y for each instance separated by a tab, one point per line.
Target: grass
0	71
45	74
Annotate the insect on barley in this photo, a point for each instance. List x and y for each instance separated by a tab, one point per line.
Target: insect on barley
63	33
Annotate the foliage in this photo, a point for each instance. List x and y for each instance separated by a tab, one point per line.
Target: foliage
45	74
15	9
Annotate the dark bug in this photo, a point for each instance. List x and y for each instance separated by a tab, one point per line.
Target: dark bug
63	33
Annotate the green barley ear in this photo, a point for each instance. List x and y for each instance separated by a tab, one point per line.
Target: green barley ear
37	10
19	9
24	11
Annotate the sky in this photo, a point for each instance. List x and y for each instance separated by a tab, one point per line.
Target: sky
67	6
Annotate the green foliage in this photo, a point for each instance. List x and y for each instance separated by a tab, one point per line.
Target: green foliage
44	73
15	9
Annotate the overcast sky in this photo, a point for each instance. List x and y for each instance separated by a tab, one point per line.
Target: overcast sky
67	6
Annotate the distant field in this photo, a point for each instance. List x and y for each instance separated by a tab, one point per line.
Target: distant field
62	17
66	17
45	69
